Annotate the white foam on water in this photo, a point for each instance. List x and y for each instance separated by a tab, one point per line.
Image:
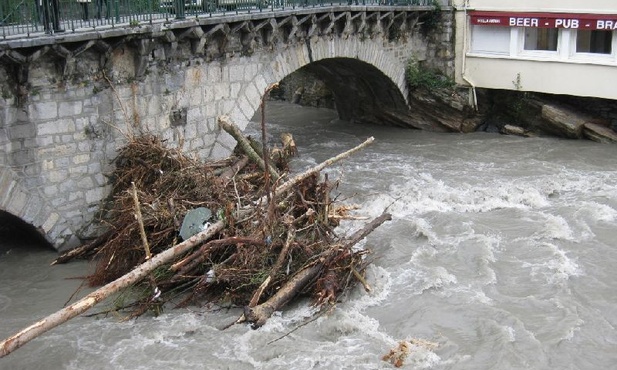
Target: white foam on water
423	228
469	252
417	276
419	279
345	338
480	250
381	284
473	294
423	253
556	268
597	211
572	331
162	340
555	227
421	358
590	214
424	194
510	333
334	144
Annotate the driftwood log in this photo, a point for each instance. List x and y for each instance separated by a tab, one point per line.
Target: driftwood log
227	125
287	185
24	336
258	315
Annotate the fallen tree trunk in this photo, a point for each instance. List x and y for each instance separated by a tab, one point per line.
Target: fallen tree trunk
296	179
259	314
227	125
140	222
367	229
231	171
24	336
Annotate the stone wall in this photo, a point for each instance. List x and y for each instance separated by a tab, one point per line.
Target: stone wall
440	41
60	144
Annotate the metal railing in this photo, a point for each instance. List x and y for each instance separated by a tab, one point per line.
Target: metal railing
31	18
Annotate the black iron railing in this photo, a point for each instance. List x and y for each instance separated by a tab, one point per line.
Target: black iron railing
31	18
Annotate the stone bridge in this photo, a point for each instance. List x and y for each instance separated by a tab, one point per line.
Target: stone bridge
69	101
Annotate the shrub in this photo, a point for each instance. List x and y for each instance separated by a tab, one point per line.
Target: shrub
419	77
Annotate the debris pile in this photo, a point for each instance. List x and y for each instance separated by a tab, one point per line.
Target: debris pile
271	238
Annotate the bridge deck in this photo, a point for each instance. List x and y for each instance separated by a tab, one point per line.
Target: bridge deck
30	22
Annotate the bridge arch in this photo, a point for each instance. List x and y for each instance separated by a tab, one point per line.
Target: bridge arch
364	76
27	212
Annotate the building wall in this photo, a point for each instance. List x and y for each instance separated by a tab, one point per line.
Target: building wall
577	61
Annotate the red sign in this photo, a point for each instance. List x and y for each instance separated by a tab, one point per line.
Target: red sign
546	20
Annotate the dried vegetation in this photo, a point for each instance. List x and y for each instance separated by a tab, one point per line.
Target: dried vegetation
278	240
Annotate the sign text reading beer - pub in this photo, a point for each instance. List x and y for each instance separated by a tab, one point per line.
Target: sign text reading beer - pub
546	20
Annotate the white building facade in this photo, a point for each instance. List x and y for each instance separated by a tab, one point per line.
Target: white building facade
551	46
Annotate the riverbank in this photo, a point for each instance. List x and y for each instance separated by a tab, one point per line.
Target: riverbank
532	114
450	109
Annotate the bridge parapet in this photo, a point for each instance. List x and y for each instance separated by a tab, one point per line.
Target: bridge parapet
31	19
69	103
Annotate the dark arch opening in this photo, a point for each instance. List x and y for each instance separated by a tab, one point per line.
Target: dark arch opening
359	91
16	233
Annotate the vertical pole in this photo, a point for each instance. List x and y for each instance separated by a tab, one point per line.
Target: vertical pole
55	16
179	9
46	18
